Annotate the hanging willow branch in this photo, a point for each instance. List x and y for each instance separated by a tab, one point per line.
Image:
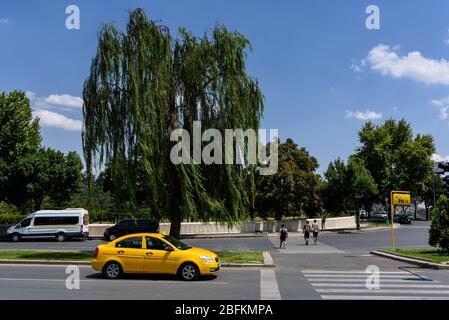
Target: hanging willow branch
143	84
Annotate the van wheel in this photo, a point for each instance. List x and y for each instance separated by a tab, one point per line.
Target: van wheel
112	237
15	237
189	272
60	237
112	270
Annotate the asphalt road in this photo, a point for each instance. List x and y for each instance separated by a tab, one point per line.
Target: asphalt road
408	236
333	269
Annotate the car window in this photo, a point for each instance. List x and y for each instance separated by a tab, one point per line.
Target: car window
156	244
135	243
145	223
178	244
25	223
126	223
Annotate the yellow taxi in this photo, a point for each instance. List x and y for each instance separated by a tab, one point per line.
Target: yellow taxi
154	253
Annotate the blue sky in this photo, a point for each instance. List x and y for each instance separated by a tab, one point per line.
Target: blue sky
322	72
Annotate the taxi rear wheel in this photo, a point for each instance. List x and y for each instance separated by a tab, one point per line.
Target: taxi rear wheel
189	272
112	270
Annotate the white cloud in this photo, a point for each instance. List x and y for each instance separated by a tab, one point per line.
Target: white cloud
363	115
56	120
357	67
443	104
64	100
4	21
412	66
439	158
444	113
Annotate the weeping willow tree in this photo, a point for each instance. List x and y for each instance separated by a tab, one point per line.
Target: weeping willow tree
143	84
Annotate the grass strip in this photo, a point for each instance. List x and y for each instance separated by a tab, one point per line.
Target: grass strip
74	255
432	255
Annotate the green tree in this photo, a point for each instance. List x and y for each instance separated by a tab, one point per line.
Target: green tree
47	173
335	187
293	188
395	158
143	84
431	193
19	137
439	229
363	188
348	187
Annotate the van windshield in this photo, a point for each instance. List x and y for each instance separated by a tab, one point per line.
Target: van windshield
25	222
178	244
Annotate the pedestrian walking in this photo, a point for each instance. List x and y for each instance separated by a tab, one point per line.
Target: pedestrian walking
283	234
315	229
306	231
323	223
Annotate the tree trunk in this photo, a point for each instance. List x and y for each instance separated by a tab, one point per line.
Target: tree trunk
278	215
357	219
175	226
416	209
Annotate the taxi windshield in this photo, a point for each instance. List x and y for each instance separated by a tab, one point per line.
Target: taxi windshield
178	244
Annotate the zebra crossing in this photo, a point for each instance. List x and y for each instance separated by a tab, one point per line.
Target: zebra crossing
385	285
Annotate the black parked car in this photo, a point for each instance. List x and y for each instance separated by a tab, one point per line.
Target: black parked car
403	218
128	226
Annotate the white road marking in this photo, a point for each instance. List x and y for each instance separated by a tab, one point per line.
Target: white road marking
357	297
379	291
339	276
349	272
362	285
411	280
269	289
394	285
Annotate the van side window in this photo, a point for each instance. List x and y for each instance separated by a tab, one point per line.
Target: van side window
42	221
135	243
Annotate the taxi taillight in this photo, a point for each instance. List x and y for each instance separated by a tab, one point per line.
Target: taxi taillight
96	252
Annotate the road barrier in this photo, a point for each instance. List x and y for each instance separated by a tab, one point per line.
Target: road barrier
245	227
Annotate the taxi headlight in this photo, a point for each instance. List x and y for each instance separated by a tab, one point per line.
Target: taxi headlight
206	259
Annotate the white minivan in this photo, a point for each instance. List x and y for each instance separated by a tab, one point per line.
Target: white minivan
57	224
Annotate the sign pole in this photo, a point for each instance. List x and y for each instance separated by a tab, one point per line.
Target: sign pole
392	220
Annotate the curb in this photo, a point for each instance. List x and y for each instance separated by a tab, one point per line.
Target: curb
411	260
267	259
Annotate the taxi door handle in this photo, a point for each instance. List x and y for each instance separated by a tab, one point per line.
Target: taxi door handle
149	253
120	251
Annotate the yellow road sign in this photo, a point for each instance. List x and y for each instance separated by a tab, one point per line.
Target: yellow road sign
400	198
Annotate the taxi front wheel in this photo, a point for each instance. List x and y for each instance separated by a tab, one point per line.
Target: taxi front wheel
189	272
112	270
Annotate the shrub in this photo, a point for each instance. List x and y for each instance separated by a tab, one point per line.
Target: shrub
8	208
439	229
8	218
